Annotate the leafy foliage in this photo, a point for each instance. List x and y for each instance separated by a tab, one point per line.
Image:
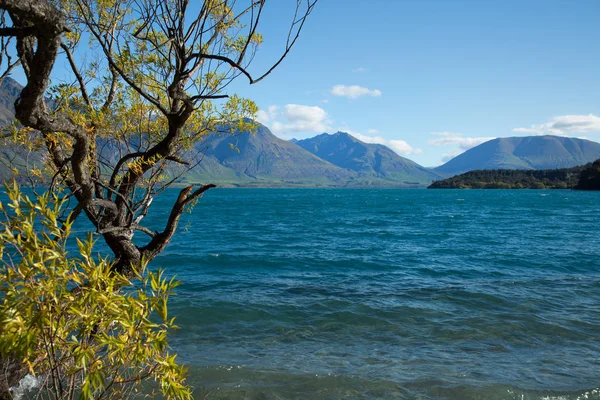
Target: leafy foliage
85	332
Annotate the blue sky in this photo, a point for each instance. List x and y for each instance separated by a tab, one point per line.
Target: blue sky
431	78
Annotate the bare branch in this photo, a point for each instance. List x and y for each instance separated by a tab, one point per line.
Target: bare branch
147	231
289	44
158	243
75	70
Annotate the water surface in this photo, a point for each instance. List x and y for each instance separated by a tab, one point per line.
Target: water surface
379	294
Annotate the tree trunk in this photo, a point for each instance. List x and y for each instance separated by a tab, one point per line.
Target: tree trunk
128	257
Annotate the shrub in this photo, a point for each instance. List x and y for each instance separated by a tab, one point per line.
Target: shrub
82	330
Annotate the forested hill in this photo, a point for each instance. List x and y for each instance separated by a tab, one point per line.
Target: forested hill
565	178
590	177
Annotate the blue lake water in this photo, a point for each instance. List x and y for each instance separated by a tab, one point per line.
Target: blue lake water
381	294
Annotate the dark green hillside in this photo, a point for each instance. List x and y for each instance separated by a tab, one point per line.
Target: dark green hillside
514	179
590	177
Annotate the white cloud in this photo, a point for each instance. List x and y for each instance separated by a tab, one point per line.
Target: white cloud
457	139
532	130
399	146
450	155
354	91
564	125
360	70
454	139
294	118
265	116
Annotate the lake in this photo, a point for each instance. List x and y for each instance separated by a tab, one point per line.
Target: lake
380	294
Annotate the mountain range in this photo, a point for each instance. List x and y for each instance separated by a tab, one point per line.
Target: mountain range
341	160
262	159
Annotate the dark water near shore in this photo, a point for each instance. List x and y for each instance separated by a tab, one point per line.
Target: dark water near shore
380	294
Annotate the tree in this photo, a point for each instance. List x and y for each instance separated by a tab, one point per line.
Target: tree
146	88
151	91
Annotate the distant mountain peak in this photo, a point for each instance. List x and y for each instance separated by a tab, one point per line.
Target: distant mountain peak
346	151
525	152
9	82
344	135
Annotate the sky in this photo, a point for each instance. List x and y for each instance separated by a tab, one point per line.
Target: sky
433	78
430	78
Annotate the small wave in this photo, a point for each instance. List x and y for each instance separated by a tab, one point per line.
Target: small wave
240	382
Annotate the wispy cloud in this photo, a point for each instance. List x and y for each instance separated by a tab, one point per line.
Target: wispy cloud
399	146
354	91
265	116
564	125
360	70
457	139
295	118
450	155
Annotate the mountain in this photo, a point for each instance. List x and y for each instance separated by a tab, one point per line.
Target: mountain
12	156
368	160
532	152
9	92
263	159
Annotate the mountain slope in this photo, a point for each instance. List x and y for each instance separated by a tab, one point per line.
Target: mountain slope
263	158
531	152
9	92
367	159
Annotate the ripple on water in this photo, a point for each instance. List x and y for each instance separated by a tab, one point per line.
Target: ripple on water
409	294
